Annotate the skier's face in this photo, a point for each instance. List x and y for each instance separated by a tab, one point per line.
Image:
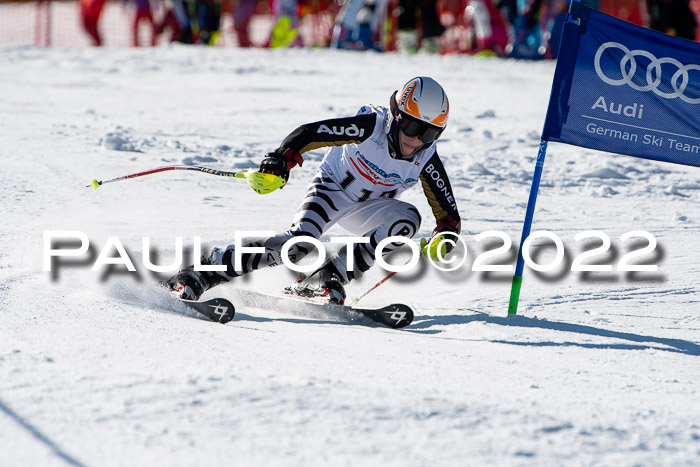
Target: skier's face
409	144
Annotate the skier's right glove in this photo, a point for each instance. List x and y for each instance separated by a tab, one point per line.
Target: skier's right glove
280	162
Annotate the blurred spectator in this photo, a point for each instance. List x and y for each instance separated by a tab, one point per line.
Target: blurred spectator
90	12
358	25
285	32
672	17
537	30
199	20
425	37
208	21
528	40
489	28
509	10
143	13
242	11
169	21
185	12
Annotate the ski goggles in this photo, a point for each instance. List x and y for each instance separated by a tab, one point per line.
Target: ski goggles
411	126
416	128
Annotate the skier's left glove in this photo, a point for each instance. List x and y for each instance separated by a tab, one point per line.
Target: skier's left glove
280	162
438	248
446	224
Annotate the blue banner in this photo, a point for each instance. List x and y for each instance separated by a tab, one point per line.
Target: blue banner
625	89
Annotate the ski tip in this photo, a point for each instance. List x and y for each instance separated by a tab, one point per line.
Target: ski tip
218	309
227	318
395	316
398	315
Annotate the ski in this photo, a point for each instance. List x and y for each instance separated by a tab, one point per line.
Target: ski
219	310
395	316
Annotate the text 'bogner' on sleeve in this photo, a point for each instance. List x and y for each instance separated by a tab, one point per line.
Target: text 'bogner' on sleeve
332	132
438	190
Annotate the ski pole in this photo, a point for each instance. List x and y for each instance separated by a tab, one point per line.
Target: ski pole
428	249
262	183
355	300
97	183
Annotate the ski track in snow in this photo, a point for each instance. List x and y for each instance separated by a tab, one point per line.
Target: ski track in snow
97	368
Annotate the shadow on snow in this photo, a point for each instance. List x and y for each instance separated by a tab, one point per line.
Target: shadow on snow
39	435
421	323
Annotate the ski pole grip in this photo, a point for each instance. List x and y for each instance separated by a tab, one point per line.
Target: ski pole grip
434	248
262	183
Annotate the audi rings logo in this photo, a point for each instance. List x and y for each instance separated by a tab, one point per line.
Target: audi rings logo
628	67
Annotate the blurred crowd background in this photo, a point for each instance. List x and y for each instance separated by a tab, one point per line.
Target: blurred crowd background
527	29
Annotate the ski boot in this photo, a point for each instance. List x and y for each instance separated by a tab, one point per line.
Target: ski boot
325	283
189	284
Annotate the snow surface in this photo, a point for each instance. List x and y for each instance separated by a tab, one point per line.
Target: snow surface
597	368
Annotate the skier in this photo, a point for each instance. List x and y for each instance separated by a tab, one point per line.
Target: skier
372	158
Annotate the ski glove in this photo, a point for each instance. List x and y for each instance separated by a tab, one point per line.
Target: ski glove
446	224
280	162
